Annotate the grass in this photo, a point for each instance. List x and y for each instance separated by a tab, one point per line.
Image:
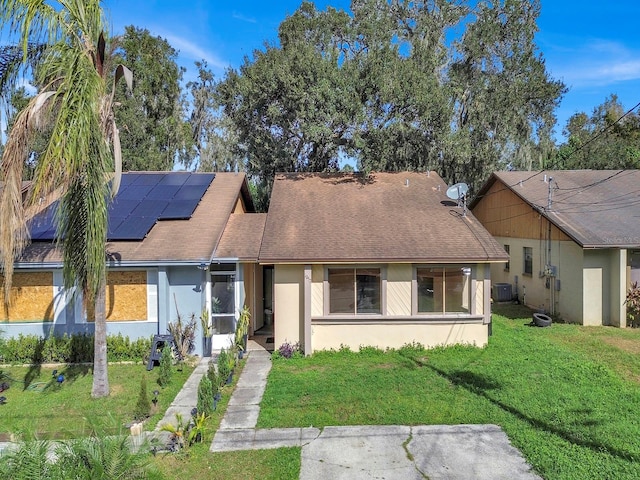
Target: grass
197	462
38	405
567	396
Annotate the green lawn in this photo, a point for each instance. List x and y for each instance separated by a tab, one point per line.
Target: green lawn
38	405
567	396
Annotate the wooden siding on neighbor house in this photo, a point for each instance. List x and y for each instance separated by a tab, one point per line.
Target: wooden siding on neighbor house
31	298
504	214
126	296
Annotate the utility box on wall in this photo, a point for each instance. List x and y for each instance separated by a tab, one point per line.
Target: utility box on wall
502	292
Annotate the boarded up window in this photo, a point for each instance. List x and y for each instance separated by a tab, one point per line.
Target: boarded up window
31	298
126	297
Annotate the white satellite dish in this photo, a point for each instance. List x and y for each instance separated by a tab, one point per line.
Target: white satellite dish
457	191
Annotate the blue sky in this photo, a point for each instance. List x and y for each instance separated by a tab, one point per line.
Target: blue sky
594	47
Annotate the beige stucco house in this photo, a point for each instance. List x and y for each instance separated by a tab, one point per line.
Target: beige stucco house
379	260
573	238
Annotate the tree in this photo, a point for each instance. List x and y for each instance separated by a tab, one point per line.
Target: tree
608	139
76	101
155	135
451	86
214	136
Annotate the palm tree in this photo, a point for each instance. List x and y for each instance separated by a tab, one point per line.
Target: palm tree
75	102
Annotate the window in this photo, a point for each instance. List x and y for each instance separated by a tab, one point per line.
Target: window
354	290
528	260
443	289
506	265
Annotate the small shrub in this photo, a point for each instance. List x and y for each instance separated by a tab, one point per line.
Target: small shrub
166	364
288	350
224	369
205	396
213	378
143	407
633	305
184	334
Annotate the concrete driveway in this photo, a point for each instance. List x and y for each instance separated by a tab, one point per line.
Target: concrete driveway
401	452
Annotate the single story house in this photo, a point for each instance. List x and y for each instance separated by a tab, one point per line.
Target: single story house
573	237
164	228
384	260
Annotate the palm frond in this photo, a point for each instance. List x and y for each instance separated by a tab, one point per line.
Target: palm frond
14	234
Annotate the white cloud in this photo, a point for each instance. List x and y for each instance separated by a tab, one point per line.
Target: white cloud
595	64
240	16
193	51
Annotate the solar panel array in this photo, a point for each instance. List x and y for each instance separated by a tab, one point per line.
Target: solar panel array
143	199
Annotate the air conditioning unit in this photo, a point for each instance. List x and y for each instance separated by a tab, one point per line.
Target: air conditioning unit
502	292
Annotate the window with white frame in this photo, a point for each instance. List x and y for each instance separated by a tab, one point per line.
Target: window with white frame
355	291
443	289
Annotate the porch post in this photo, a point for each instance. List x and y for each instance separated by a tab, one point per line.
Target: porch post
486	291
307	310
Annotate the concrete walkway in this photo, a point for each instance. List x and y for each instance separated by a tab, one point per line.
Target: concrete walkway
393	452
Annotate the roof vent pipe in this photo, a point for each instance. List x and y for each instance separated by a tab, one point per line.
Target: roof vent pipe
406	182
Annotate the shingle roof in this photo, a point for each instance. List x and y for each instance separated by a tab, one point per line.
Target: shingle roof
242	237
169	241
390	217
596	208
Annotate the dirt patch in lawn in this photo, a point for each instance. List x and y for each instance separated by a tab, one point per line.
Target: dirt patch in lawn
628	345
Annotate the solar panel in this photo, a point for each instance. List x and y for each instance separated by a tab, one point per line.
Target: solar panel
163	192
148	178
133	228
41	226
143	199
176	179
178	209
200	179
190	192
121	207
149	208
133	192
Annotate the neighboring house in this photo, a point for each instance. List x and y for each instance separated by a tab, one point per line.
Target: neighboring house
163	230
381	260
573	238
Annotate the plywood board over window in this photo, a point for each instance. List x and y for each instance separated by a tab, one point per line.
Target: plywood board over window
31	298
126	296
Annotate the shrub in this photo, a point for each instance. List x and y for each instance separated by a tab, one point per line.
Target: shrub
287	350
205	396
184	334
166	364
143	407
213	378
224	369
76	348
633	305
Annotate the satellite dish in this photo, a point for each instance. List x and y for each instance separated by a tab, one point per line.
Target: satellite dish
457	191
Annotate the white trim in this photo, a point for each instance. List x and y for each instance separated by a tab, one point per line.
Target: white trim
60	299
152	295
